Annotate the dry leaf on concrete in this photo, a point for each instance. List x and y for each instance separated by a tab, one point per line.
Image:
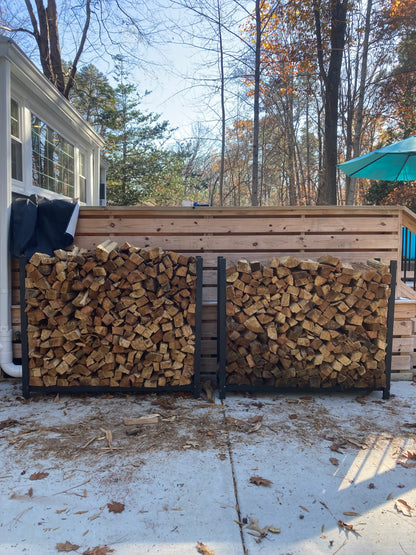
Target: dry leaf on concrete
103	550
259	481
405	464
115	507
38	475
334	461
67	546
204	549
402	506
348	527
410	455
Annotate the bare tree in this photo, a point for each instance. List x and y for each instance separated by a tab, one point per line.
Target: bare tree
96	26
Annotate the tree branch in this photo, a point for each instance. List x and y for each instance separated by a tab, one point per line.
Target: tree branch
71	77
55	50
17	30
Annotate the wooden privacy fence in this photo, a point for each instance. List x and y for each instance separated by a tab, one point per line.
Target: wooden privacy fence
353	234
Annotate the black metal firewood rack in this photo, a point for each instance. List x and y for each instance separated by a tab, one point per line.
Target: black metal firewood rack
225	387
194	387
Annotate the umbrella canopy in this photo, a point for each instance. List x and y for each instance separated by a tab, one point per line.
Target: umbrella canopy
396	162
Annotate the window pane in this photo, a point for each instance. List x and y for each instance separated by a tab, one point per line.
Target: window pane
82	178
14	110
17	160
52	159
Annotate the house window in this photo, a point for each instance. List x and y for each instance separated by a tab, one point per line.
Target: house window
52	160
82	178
17	172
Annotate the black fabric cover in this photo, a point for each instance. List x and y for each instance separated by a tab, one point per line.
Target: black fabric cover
39	225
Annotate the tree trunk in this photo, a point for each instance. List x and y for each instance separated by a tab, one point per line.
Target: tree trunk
223	122
256	115
350	193
327	192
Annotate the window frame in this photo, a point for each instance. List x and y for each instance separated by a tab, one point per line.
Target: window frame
17	141
55	189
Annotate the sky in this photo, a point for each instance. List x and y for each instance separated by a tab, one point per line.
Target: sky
180	76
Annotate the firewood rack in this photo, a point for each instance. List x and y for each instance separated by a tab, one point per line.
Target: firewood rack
225	387
194	387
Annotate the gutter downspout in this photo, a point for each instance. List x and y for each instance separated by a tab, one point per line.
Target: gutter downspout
6	332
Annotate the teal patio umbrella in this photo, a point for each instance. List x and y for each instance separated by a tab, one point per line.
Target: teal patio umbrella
396	162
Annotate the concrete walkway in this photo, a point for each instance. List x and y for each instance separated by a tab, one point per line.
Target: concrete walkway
328	471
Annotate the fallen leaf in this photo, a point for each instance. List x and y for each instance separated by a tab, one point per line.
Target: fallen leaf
38	475
222	456
409	455
403	507
304	508
335	447
67	546
30	492
7	423
405	464
60	511
204	549
260	533
390	495
56	398
293	416
259	481
351	513
165	403
348	527
103	550
334	461
115	507
273	530
371	486
255	419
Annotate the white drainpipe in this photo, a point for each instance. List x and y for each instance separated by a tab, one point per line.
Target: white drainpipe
6	333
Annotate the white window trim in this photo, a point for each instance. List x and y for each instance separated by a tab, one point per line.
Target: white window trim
41	190
17	184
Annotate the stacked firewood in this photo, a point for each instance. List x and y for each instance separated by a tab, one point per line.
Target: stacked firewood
307	324
116	316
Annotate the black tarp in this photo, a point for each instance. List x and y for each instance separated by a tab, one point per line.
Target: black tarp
39	224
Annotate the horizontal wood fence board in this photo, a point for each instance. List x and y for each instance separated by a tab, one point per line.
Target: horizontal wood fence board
403	327
233	225
209	365
401	362
209	295
404	310
403	344
209	329
208	346
209	277
240	211
402	376
209	312
235	242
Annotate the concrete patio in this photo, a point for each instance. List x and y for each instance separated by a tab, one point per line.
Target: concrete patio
335	473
